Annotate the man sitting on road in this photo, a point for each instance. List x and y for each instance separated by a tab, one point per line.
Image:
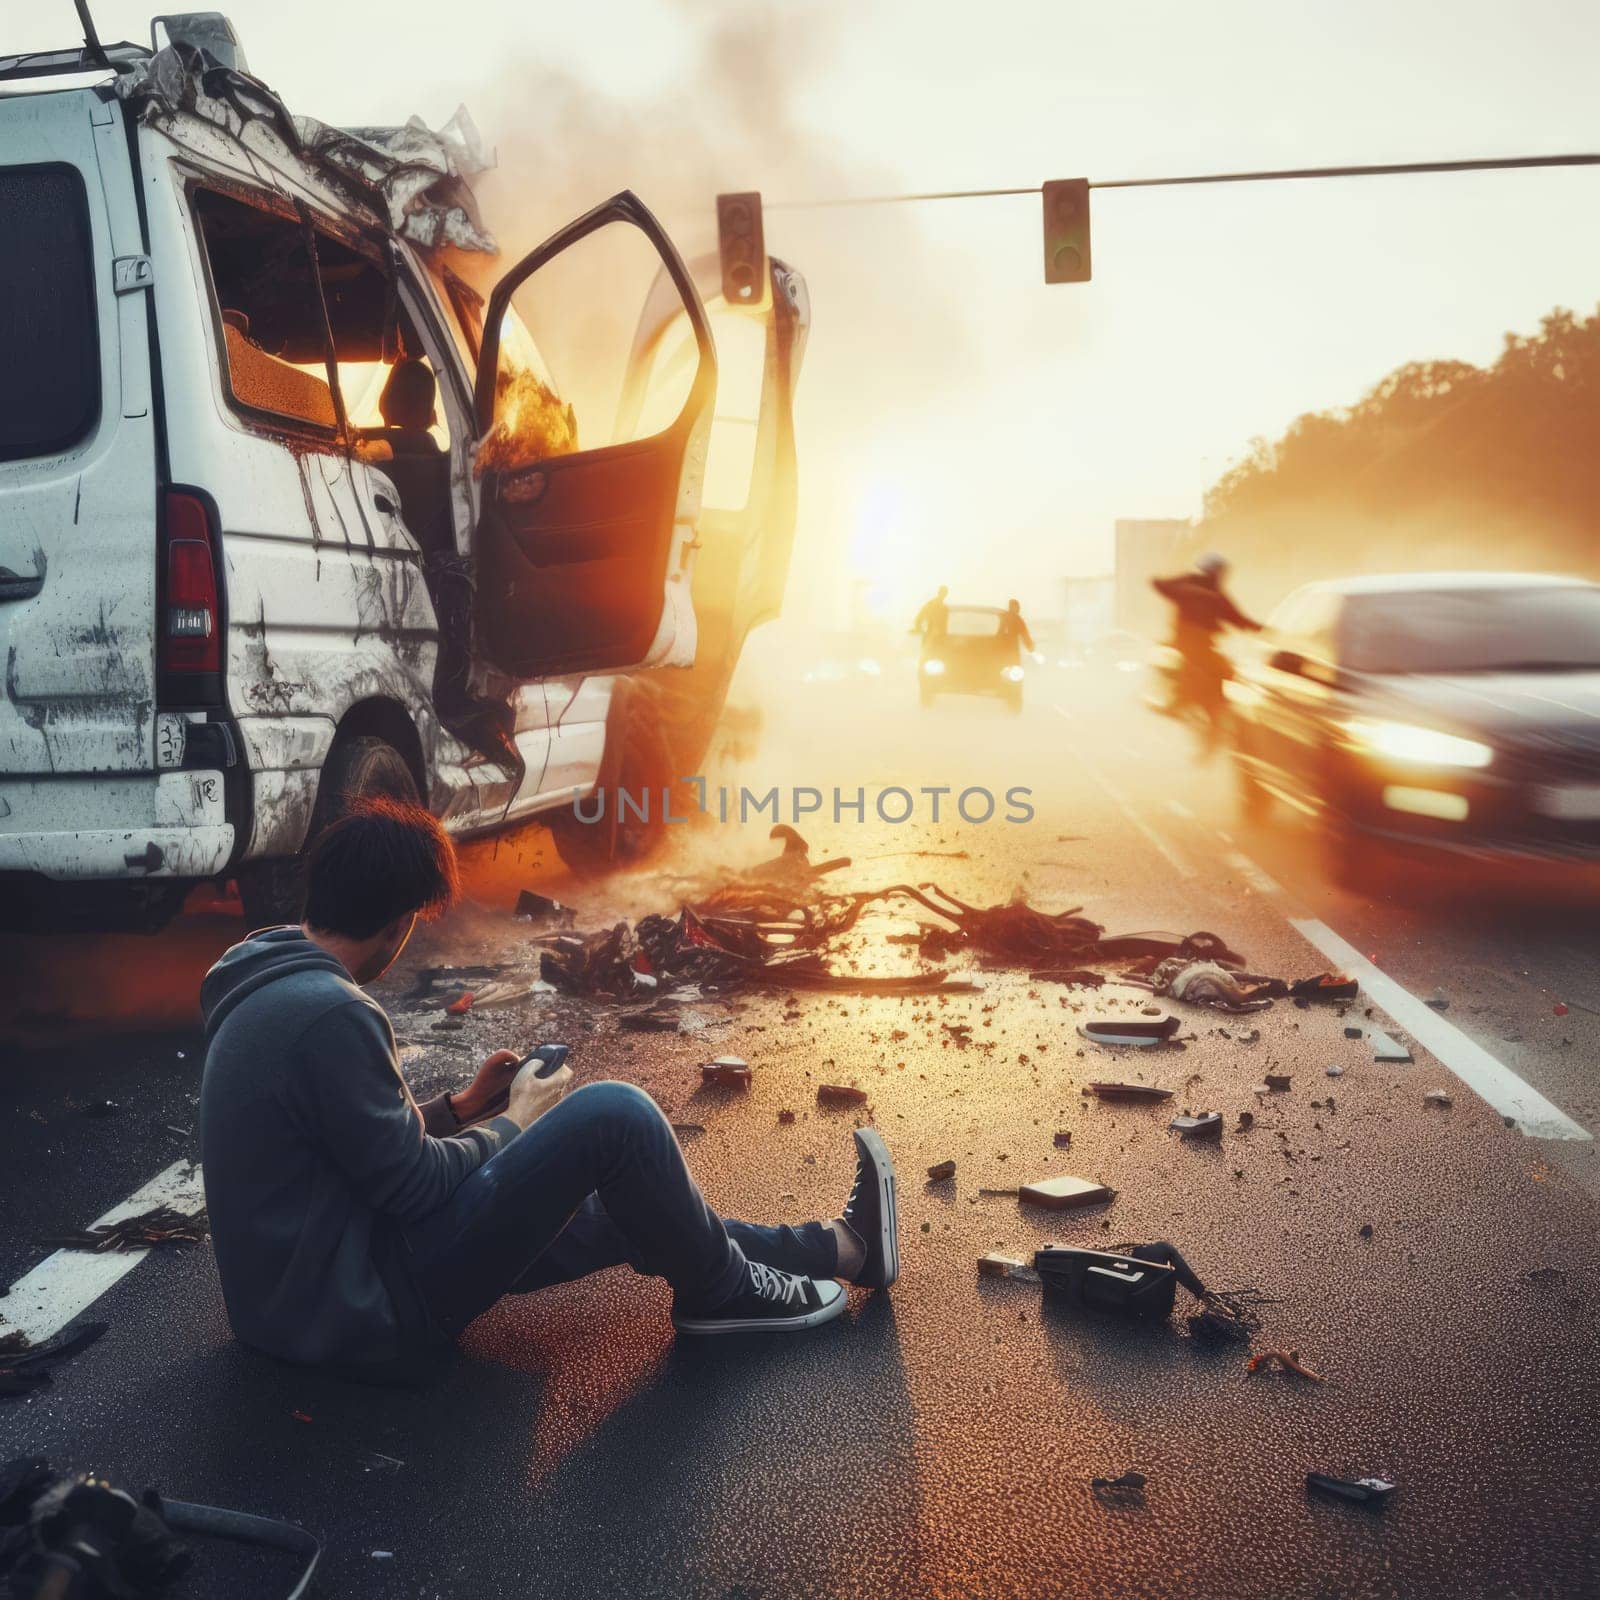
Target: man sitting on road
356	1229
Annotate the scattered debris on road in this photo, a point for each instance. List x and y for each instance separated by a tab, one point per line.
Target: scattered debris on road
727	1072
1126	1091
1059	1194
1203	1125
1437	1097
1283	1361
1140	1031
1130	1483
1279	1081
940	1171
25	1367
541	908
1385	1048
998	1266
1358	1491
162	1225
1333	1070
1062	1139
840	1094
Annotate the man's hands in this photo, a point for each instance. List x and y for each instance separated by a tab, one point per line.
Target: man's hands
486	1095
532	1096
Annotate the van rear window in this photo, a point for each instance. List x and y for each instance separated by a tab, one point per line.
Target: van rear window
49	341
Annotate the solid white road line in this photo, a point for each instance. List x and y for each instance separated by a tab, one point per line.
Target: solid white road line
1169	852
66	1283
1469	1061
1261	882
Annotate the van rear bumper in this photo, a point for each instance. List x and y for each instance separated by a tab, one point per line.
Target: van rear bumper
132	827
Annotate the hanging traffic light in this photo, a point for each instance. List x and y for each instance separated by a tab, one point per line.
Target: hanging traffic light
742	247
1066	230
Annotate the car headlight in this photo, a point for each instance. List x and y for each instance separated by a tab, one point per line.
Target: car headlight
1423	747
933	666
1012	674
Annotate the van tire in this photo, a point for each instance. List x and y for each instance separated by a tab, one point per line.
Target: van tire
273	891
638	761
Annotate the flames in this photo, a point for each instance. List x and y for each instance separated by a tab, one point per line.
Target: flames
531	423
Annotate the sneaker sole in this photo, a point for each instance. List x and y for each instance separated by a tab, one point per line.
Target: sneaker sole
810	1319
869	1142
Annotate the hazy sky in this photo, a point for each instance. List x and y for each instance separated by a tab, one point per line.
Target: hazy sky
960	418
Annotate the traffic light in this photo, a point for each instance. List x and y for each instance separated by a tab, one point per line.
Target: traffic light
742	248
1066	230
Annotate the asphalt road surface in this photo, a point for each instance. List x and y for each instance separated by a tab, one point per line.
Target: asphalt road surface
1439	1265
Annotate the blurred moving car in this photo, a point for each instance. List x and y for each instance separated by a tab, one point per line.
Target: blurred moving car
974	655
1455	712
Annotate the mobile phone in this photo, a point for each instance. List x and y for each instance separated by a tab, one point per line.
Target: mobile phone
551	1055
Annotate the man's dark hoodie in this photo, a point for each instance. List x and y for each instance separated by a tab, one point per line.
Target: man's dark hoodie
315	1155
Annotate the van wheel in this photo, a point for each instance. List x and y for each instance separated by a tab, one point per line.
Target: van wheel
273	891
637	763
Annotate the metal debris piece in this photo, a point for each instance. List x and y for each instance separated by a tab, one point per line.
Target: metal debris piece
1140	1031
688	1127
1329	987
840	1094
1127	1091
1247	1120
1284	1360
1278	1080
1062	1140
1059	1194
1358	1491
541	908
1386	1049
727	1072
786	1117
1208	983
1437	1097
1205	1125
1333	1070
1353	1033
25	1367
940	1171
998	1266
1127	1480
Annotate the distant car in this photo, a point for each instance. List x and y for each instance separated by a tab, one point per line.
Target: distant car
1452	712
972	656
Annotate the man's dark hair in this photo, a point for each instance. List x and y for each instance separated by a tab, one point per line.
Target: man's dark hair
380	860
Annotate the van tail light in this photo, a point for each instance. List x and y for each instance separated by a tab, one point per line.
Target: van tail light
191	623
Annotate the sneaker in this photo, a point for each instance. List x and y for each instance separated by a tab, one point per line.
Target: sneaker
769	1301
869	1212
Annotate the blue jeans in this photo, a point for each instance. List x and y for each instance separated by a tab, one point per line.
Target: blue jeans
597	1181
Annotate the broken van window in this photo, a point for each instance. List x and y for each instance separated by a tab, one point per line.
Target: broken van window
48	335
271	318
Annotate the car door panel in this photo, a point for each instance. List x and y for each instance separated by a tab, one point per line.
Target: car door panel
747	521
584	560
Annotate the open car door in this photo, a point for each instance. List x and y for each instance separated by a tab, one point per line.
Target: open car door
747	518
584	557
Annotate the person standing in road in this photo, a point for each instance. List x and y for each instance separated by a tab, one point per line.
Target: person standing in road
355	1229
1201	610
933	620
1012	625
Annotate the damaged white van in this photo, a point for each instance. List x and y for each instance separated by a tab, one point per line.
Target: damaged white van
292	506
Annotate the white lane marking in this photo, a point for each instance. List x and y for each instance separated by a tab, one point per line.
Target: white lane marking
1261	882
1491	1080
45	1300
1173	858
1179	809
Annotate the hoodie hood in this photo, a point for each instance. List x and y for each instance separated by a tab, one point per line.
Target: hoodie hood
261	959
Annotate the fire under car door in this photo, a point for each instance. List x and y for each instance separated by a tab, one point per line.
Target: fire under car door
584	557
747	518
